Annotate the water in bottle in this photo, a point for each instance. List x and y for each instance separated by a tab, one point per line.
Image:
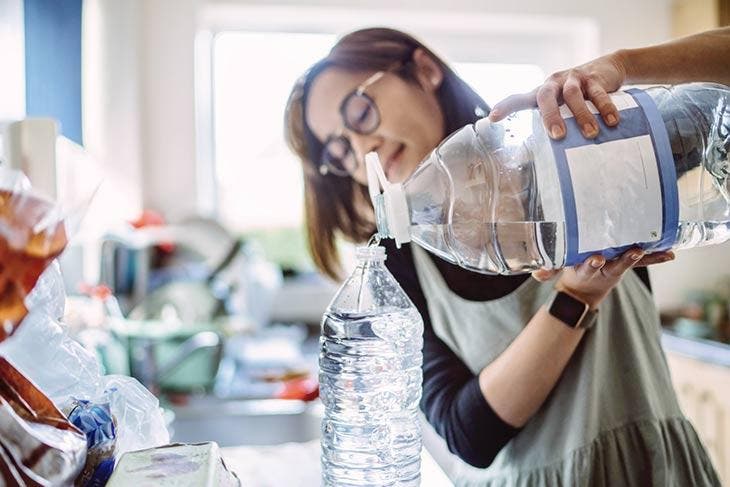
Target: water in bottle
504	198
370	380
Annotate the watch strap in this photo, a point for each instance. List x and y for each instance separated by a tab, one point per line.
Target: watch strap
571	311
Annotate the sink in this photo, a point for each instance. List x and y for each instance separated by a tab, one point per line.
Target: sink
232	422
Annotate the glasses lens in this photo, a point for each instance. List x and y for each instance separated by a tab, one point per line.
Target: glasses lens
360	114
338	156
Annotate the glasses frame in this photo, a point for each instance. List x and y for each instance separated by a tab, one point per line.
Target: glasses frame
327	167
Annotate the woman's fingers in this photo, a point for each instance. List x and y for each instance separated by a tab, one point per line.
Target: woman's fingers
625	262
511	104
592	280
655	258
592	266
598	95
592	80
574	88
547	101
543	275
573	96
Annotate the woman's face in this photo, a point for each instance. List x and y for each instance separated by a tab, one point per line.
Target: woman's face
411	123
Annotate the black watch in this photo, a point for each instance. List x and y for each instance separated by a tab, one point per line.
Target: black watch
571	311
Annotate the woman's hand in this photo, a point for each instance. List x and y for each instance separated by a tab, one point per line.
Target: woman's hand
592	280
591	81
519	380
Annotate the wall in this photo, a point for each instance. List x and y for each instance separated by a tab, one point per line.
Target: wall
622	23
690	16
168	101
112	103
139	101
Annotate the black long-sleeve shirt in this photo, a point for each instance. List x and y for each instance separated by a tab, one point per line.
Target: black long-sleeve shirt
452	399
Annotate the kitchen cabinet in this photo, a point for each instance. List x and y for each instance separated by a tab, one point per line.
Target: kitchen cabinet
702	383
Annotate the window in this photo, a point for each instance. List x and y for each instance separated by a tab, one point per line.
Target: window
259	181
495	81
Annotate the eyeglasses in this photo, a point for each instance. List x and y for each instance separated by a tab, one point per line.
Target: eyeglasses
360	115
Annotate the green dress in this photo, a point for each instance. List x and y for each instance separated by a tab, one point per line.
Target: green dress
611	420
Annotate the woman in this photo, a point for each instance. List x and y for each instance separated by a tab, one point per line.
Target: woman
518	395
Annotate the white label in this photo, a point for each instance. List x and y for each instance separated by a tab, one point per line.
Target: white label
617	193
623	101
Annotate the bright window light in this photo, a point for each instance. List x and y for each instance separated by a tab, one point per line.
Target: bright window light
259	179
497	81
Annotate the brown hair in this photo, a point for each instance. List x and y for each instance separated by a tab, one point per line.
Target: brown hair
335	205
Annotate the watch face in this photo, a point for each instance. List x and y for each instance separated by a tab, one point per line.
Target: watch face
567	309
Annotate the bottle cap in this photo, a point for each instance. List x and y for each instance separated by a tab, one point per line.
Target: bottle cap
394	197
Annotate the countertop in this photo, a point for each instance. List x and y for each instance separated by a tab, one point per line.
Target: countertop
709	351
297	465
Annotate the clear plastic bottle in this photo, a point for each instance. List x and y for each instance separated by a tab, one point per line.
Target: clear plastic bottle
503	198
370	380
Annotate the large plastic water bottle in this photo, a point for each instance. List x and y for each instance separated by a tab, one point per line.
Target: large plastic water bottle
504	198
370	380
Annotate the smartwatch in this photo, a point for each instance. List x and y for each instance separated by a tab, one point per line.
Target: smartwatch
571	311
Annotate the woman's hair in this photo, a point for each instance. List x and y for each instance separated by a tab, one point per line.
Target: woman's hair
336	205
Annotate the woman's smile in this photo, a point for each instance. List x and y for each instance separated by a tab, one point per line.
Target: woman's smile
392	162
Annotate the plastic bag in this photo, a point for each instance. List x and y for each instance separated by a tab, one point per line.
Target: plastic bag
59	365
125	417
140	421
65	371
33	231
32	234
38	446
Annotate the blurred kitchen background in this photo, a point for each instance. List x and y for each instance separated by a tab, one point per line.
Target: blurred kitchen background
190	271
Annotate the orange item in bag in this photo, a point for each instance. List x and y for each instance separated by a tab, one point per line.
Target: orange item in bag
32	234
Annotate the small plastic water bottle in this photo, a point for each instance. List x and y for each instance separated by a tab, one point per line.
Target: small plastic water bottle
370	380
504	198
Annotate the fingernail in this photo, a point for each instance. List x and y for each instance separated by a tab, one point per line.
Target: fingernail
495	113
589	130
611	119
556	131
596	263
637	255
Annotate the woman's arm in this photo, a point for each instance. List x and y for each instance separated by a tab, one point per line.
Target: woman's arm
517	383
699	57
455	406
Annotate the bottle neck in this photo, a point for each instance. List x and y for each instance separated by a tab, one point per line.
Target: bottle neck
373	255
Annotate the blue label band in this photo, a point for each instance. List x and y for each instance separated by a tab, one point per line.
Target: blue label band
667	170
637	121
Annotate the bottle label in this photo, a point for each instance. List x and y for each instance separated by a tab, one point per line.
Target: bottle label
619	189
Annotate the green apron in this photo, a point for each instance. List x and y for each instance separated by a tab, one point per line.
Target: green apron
611	420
